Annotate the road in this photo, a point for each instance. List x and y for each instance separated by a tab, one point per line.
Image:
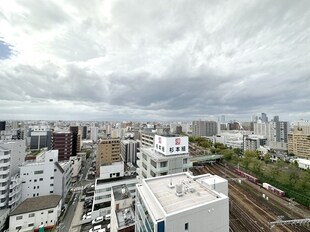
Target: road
82	182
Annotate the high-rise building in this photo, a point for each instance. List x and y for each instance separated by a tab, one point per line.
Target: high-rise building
204	128
275	132
94	134
147	139
299	143
62	141
264	117
2	125
76	140
84	132
40	139
129	149
276	118
169	155
108	151
182	202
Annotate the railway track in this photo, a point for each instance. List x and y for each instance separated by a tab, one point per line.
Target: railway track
247	204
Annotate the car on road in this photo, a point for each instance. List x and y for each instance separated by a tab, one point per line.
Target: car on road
97	220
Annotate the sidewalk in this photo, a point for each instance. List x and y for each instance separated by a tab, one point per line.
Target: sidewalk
75	224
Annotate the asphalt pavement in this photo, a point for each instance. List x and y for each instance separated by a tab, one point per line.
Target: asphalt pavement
67	221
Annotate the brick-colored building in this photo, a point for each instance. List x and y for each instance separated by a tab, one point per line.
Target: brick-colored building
62	141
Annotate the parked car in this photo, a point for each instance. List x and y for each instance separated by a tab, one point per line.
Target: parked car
97	220
107	217
96	228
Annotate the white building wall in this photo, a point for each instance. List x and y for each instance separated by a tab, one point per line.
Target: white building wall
42	217
94	134
43	176
109	171
18	153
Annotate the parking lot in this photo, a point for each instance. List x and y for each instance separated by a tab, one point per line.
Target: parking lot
86	217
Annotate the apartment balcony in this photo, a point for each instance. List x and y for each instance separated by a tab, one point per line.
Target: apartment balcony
5	172
3	204
5	187
16	192
6	179
5	164
15	199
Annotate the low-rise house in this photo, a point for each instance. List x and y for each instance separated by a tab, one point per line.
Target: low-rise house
35	212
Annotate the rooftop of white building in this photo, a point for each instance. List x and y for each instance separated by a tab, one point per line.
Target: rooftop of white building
195	192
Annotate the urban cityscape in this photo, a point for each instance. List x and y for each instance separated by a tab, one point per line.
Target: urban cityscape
155	176
144	116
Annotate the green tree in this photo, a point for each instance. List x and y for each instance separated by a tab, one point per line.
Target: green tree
228	154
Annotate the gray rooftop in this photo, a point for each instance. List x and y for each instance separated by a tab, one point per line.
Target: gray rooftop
37	203
120	192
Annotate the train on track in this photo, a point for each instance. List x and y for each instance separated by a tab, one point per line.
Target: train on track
274	190
254	180
247	176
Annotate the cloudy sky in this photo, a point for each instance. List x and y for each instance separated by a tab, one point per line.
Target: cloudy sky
154	60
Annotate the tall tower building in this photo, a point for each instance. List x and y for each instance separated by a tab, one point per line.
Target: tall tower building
62	141
108	151
204	128
2	125
76	137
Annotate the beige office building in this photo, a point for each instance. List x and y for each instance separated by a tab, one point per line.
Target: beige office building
299	143
108	151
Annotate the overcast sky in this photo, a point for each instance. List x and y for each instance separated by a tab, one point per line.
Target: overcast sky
154	60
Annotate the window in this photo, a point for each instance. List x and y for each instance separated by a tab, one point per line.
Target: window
51	160
163	164
153	163
186	226
41	179
51	184
18	228
31	215
184	169
50	211
144	157
34	195
35	180
34	187
52	177
30	225
38	172
19	217
184	161
51	191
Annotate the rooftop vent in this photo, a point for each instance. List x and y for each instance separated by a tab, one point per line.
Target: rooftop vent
171	185
179	190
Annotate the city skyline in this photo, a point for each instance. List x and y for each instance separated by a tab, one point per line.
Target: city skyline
137	60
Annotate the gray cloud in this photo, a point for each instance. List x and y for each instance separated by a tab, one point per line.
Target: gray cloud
170	60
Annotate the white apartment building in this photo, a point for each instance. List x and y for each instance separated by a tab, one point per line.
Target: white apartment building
45	176
275	132
102	195
169	155
181	202
36	212
94	134
12	154
76	163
